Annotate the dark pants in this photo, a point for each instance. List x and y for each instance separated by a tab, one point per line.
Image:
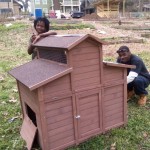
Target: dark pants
139	84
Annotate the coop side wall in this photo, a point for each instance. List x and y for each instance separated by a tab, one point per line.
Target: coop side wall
114	97
59	104
86	61
31	99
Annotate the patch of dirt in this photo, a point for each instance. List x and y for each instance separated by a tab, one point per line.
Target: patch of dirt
104	30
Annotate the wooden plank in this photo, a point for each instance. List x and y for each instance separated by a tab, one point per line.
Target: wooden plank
60	124
61	136
112	123
92	74
87	82
109	70
57	96
42	127
86	63
88	99
85	69
89	105
58	104
59	118
114	117
60	130
118	65
30	98
109	113
113	76
56	112
89	111
62	142
113	101
89	128
28	131
114	106
111	97
84	49
90	116
63	84
86	56
111	90
88	122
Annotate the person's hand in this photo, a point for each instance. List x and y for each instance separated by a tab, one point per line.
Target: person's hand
33	38
36	39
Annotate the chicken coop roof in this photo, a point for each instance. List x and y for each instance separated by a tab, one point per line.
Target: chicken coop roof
39	72
65	41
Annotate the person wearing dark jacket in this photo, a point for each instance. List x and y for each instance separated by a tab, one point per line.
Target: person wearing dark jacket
138	79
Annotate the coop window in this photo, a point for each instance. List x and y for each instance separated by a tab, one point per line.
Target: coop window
53	54
31	115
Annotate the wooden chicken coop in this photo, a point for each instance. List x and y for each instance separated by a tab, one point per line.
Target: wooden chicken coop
107	9
69	94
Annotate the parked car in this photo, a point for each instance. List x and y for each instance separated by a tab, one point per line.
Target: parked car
77	14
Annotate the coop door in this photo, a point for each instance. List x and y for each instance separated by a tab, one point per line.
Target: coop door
28	131
89	113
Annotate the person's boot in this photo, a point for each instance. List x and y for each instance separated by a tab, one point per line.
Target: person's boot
142	100
130	94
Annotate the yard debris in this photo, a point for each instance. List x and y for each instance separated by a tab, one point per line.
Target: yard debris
145	135
113	146
13	100
1	78
15	90
8	24
101	32
12	119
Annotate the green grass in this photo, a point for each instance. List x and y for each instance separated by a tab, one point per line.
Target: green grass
13	52
71	26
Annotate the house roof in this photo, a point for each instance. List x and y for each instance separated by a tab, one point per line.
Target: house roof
15	1
39	72
65	41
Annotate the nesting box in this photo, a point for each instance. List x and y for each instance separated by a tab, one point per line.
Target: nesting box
69	94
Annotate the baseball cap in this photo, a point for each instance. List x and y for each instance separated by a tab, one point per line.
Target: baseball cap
123	49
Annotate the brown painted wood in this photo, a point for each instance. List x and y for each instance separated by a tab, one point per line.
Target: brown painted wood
74	101
28	131
44	134
30	98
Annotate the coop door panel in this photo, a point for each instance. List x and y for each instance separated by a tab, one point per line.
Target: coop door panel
28	131
114	106
89	113
60	122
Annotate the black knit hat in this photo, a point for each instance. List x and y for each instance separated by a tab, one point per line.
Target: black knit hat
123	49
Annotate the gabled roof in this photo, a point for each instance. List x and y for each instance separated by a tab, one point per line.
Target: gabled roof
65	41
39	72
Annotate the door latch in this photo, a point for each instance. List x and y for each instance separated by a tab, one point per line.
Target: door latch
77	117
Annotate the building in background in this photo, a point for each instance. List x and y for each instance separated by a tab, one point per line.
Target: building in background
16	7
107	9
45	6
6	6
68	6
10	7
